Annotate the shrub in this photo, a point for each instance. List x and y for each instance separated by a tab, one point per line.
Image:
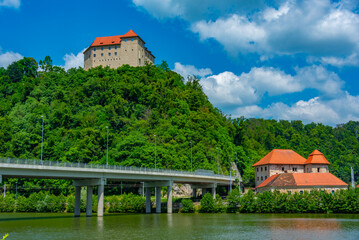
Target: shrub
207	204
233	199
188	206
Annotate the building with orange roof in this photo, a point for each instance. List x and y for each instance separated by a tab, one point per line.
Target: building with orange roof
300	182
115	51
287	161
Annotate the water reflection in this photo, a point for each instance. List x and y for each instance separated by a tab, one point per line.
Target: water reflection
183	226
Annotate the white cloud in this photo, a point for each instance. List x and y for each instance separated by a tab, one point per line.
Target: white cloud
351	60
196	10
10	3
190	70
330	112
235	33
228	89
9	57
322	28
74	61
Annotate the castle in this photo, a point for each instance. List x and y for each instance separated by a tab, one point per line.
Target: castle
115	51
286	170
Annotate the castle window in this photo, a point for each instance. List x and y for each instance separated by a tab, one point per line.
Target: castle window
115	53
109	54
301	192
132	39
261	169
94	49
94	55
265	168
125	40
257	178
333	192
115	47
109	48
101	54
257	169
102	48
265	177
318	169
294	169
261	178
283	169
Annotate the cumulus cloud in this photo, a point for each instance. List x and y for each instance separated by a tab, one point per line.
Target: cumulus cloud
10	3
74	61
196	10
227	88
9	57
330	112
322	28
190	70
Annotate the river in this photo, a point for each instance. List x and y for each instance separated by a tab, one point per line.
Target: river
179	226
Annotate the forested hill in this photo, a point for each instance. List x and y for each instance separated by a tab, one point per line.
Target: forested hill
135	102
138	103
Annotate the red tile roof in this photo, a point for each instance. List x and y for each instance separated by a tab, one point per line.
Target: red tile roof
113	40
316	157
302	179
281	156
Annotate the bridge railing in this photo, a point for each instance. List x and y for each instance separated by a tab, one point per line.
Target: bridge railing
104	166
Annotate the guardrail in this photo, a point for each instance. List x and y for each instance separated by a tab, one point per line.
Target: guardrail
104	166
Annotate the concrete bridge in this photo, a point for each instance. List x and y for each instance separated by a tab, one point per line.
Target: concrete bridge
91	175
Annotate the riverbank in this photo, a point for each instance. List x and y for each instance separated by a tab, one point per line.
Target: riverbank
343	201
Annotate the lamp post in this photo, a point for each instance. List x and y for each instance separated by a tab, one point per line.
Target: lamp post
217	161
42	135
107	148
16	192
155	152
191	154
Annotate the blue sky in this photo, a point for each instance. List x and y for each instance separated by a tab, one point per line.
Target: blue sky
282	59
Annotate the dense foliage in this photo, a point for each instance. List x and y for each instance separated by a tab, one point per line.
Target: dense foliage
46	202
210	205
137	103
315	201
187	206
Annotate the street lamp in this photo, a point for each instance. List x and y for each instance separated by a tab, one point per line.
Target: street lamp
16	192
107	148
191	154
155	152
218	160
42	135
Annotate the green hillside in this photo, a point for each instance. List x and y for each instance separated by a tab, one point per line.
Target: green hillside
138	103
135	102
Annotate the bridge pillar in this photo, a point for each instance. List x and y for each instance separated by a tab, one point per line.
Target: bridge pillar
89	201
204	191
158	199
214	191
77	201
101	190
169	197
148	200
194	192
